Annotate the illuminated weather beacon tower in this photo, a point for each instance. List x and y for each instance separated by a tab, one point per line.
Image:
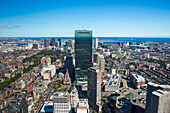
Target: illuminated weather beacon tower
83	54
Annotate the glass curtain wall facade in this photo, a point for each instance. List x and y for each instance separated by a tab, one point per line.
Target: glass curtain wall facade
83	54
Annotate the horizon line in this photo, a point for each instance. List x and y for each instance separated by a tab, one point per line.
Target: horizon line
92	37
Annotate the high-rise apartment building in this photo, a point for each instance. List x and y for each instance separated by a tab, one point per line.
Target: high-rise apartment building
83	54
46	42
94	88
95	43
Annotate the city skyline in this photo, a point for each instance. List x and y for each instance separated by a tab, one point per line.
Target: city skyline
105	18
83	75
91	56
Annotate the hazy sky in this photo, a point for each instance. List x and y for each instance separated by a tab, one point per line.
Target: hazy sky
56	18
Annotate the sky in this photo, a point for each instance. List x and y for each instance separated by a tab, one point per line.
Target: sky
106	18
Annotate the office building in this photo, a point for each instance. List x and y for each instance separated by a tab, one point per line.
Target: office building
99	60
46	42
120	44
94	88
123	44
83	54
68	44
61	102
20	84
60	43
96	58
48	68
45	61
74	97
57	44
47	75
100	44
20	107
113	83
52	42
7	50
96	43
5	46
137	80
71	43
160	102
35	46
30	45
158	98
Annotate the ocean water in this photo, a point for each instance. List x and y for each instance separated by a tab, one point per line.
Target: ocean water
115	39
137	40
118	39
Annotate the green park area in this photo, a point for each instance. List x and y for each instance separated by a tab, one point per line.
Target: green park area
54	55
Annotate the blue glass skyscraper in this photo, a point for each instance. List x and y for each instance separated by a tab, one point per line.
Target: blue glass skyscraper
83	54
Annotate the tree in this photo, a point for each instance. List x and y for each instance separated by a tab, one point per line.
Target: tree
16	94
8	93
94	111
12	94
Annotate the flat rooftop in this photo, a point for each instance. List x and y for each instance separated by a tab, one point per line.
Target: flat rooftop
114	80
160	92
60	94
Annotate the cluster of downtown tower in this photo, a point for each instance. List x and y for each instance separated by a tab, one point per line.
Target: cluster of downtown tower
87	77
84	75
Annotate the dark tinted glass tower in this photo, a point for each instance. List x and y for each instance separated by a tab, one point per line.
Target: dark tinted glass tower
60	43
83	54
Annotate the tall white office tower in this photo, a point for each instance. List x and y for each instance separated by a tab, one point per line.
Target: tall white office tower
96	43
